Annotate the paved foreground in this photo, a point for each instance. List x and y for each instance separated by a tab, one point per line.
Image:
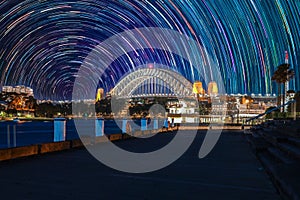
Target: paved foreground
230	171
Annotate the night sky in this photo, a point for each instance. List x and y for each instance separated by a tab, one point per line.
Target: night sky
43	43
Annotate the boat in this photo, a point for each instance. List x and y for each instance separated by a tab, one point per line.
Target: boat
16	119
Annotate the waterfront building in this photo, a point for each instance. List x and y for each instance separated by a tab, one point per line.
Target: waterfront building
183	111
18	100
19	89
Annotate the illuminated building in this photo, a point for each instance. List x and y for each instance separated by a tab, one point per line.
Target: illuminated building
100	94
212	89
198	88
20	89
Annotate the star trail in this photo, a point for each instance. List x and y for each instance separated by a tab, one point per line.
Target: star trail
43	43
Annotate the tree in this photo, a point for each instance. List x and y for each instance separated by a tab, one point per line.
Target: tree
282	75
31	103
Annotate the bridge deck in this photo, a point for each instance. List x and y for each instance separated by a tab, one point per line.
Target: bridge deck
229	172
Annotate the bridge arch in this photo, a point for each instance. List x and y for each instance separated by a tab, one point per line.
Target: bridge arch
173	80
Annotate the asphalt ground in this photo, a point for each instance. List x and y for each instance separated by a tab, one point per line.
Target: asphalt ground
230	171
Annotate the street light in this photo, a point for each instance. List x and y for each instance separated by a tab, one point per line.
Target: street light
238	109
238	113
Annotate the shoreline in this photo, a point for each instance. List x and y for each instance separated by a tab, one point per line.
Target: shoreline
203	124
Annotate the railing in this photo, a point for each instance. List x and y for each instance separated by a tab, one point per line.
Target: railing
258	117
284	115
20	133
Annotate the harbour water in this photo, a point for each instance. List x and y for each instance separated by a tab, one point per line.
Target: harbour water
37	132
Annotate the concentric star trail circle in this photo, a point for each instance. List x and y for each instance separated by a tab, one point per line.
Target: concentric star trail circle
43	43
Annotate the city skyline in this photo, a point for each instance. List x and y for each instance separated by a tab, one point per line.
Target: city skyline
43	44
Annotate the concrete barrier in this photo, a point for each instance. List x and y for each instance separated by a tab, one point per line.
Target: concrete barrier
56	146
11	153
86	140
76	143
24	151
126	136
176	128
18	152
155	131
147	132
161	130
101	139
170	129
114	137
164	129
5	154
138	133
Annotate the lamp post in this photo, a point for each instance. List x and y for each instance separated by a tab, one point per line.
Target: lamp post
238	114
295	110
238	110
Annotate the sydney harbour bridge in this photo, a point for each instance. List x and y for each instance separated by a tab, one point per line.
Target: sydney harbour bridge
153	82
